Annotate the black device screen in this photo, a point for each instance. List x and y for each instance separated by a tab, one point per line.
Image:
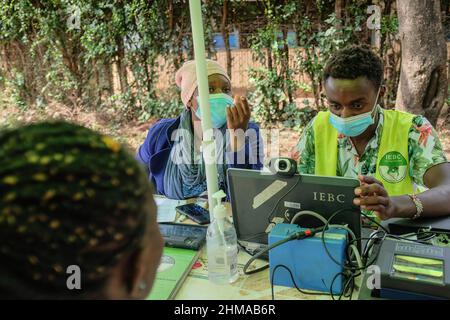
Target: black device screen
321	194
183	235
195	212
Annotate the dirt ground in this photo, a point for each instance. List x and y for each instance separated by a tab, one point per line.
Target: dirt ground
133	134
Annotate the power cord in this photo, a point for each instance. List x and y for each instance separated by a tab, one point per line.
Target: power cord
295	236
351	271
293	281
269	217
252	255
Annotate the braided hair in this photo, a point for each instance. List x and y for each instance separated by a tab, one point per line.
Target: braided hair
68	196
355	61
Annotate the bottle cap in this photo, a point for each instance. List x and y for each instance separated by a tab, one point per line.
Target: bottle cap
219	211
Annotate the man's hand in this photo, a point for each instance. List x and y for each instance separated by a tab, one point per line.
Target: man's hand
238	117
371	195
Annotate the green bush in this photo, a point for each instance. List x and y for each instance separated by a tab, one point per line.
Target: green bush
268	97
298	118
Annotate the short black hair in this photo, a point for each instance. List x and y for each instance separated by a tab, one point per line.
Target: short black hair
355	61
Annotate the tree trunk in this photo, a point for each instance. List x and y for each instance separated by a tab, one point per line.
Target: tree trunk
339	6
391	54
285	65
375	34
423	78
122	69
108	78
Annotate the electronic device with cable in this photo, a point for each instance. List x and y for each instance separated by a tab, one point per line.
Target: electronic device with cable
194	212
400	226
283	166
181	235
260	200
306	264
411	270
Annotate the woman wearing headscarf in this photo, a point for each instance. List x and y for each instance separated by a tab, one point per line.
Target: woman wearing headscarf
171	151
77	216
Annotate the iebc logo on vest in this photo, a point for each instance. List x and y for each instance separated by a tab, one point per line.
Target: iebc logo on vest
393	167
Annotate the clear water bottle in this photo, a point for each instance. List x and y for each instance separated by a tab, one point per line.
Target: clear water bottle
221	243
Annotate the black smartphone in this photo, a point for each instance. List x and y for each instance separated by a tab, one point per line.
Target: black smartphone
194	212
181	235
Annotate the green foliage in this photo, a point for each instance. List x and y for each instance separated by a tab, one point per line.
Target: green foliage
161	109
389	25
268	97
111	62
298	118
17	85
273	83
316	47
75	65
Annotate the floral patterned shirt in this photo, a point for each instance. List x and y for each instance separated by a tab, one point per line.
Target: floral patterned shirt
424	151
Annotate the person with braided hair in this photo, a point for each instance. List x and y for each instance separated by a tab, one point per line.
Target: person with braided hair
71	197
397	156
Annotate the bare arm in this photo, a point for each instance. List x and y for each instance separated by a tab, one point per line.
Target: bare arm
371	195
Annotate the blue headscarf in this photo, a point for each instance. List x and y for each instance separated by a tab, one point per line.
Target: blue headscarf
185	175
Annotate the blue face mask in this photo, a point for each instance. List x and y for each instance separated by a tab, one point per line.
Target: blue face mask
356	125
218	103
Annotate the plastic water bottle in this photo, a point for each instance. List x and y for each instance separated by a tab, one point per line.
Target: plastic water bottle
221	243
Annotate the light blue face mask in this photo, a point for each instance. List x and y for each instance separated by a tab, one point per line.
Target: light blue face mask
218	104
354	126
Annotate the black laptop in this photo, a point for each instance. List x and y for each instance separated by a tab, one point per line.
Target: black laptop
259	198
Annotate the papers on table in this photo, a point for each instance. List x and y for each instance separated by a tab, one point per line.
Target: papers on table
166	208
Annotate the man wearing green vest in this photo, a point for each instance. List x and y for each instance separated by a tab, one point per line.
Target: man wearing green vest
394	154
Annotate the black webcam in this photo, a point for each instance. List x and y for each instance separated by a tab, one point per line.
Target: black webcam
283	166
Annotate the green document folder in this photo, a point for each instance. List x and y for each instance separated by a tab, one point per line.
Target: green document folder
174	267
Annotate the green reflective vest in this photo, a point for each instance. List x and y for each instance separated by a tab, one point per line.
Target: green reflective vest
393	161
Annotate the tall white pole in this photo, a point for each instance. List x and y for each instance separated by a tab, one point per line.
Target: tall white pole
208	144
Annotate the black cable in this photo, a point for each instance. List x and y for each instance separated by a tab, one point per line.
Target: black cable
298	235
269	217
368	217
293	281
332	282
252	254
295	236
389	234
366	250
350	283
365	264
350	268
260	253
350	280
323	237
